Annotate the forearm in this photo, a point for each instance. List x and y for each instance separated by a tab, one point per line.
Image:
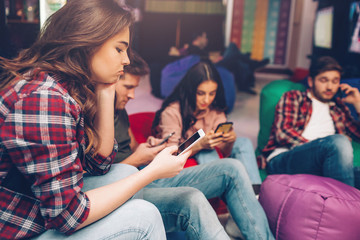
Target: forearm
196	148
357	107
104	120
106	199
226	148
132	160
289	138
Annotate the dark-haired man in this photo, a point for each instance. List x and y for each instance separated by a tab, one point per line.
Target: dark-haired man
182	200
311	130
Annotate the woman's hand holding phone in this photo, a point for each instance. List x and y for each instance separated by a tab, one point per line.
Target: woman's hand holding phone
211	140
167	165
229	137
228	133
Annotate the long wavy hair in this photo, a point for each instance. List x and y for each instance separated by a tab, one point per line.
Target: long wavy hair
65	46
185	94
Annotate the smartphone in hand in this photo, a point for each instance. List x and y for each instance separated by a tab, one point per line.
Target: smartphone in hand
340	93
224	127
165	139
188	143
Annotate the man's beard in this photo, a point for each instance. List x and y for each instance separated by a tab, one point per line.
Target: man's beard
319	97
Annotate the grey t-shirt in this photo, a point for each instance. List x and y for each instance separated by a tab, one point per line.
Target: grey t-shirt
122	137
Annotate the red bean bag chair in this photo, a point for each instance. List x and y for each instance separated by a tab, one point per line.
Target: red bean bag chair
140	125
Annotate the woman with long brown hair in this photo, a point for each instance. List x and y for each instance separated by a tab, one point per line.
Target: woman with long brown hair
56	121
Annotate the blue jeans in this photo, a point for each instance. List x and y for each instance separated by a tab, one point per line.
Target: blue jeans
357	177
330	156
135	219
242	150
182	202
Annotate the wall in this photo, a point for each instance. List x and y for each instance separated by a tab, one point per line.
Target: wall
300	30
302	34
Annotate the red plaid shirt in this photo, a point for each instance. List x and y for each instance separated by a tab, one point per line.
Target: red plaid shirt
293	113
42	159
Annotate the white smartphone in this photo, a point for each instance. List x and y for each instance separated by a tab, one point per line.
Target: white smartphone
188	143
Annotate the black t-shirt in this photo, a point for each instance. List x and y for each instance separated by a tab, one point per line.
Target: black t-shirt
122	137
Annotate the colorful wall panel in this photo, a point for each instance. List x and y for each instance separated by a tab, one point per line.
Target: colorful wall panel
185	6
248	26
282	33
271	29
259	29
263	25
237	22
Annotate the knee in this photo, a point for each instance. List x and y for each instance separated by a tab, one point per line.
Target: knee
243	143
234	169
144	210
192	197
341	145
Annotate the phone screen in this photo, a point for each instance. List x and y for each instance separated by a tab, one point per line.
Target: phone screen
188	142
224	127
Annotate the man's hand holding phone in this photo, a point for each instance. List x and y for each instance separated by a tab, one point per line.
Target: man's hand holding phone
351	95
157	142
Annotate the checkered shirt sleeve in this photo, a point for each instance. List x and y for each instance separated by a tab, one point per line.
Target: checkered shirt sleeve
42	135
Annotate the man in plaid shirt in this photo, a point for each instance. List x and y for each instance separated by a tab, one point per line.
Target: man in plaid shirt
312	129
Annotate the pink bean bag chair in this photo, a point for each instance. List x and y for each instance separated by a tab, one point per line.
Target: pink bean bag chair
310	207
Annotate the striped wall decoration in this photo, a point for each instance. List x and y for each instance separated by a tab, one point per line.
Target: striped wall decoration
282	33
185	6
261	12
264	28
248	26
271	29
237	22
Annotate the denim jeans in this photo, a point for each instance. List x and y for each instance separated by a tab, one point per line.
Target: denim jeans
135	219
182	202
330	156
357	177
242	150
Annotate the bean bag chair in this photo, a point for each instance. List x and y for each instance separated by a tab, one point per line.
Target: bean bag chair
173	72
228	81
310	207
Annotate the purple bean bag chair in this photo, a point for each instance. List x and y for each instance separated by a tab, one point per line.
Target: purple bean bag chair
308	207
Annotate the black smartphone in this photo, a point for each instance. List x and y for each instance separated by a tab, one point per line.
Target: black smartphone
188	143
165	139
340	93
224	127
